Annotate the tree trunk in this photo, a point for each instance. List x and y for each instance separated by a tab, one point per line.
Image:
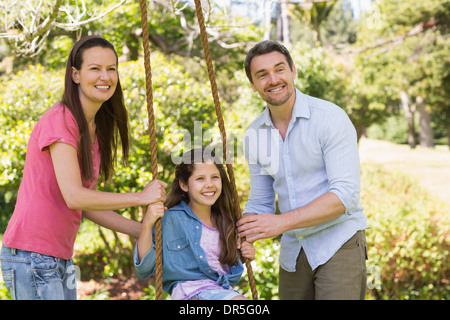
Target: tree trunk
279	25
425	130
285	24
409	114
267	19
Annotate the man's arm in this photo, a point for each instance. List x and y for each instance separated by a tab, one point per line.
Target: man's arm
259	226
262	195
340	152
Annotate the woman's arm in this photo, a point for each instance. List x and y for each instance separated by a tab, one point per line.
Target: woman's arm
67	170
114	221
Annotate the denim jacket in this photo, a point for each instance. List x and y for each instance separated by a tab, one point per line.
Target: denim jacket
183	258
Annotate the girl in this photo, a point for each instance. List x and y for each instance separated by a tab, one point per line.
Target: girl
69	147
200	247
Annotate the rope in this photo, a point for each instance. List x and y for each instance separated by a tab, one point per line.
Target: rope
201	22
151	127
151	122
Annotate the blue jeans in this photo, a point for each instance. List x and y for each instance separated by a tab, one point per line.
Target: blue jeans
34	276
215	294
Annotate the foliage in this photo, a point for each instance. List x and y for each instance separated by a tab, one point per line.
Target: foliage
393	129
23	99
170	33
180	99
408	239
324	74
404	45
340	25
265	268
314	14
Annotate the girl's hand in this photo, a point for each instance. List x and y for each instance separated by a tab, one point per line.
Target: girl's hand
247	249
154	212
145	240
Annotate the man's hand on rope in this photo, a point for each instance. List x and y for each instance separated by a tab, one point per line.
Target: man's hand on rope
260	226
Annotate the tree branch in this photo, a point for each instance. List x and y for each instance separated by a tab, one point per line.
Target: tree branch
392	42
20	24
159	41
76	24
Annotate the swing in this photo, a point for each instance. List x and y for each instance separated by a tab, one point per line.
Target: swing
151	122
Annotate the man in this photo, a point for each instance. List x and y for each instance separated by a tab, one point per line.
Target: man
304	150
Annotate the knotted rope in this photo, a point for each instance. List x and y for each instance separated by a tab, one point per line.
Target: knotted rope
212	79
151	128
151	123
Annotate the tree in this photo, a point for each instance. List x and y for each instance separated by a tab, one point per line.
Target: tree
181	92
173	29
27	24
340	27
313	13
402	53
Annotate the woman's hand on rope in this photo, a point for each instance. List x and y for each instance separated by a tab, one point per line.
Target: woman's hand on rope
154	192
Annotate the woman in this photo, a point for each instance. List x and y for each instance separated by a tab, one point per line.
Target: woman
70	146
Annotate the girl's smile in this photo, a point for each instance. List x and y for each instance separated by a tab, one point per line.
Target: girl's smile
204	187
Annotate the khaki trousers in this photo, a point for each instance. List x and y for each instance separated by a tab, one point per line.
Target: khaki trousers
343	277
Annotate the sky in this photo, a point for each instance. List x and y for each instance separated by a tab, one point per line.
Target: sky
358	6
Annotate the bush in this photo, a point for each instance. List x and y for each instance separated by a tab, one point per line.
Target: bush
394	129
408	237
24	97
265	269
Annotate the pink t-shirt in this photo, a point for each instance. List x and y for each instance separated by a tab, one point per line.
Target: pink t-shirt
42	222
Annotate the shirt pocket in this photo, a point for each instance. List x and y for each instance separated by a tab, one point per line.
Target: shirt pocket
180	252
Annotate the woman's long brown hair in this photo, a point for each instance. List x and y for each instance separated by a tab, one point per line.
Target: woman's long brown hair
111	119
223	211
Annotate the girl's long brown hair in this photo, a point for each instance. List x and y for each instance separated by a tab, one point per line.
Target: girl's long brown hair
111	119
223	212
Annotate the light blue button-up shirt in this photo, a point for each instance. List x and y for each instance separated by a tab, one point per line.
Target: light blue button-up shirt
318	155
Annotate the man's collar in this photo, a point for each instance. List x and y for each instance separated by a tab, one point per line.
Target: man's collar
301	109
301	106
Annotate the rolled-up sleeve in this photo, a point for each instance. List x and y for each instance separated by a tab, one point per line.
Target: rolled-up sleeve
262	194
146	267
340	152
